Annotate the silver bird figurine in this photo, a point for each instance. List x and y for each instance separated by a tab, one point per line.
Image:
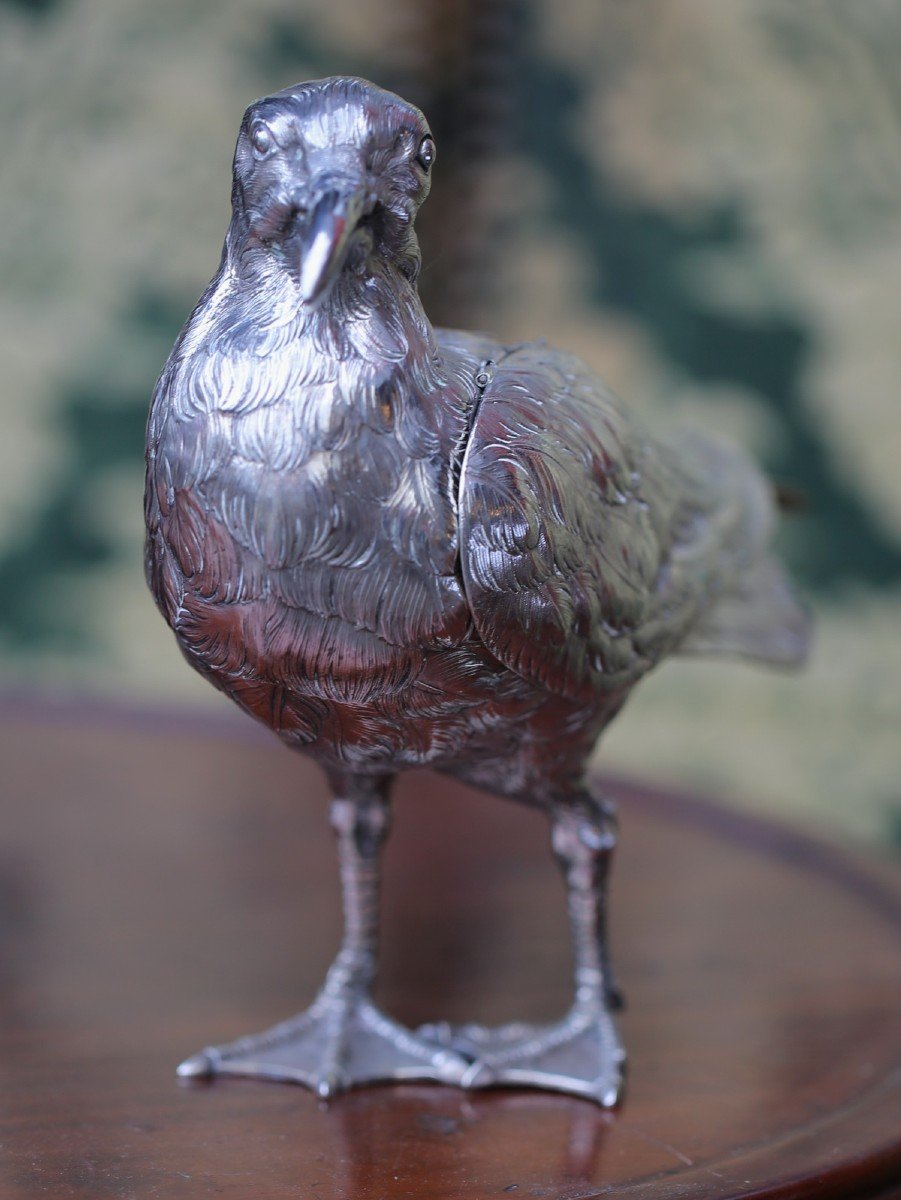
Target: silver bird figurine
399	546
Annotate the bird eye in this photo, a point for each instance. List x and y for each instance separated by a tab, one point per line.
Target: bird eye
261	139
426	155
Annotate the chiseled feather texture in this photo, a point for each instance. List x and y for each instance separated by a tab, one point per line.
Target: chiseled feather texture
400	547
593	550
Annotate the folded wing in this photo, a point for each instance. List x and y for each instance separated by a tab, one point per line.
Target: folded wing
590	549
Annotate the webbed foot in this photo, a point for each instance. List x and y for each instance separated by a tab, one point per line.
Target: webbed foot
338	1043
581	1055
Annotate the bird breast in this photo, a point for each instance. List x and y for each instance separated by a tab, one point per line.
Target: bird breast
308	523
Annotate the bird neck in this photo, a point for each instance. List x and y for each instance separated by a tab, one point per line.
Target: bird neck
371	324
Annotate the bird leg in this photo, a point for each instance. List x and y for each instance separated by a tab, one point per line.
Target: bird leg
584	838
342	1039
581	1054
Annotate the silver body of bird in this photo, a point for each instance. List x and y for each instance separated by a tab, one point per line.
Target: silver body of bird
398	546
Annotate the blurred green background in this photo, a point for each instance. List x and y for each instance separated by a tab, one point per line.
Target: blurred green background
700	198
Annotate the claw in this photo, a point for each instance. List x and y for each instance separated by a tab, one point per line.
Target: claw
479	1075
198	1066
330	1085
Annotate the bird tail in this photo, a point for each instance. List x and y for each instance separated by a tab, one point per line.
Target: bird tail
760	619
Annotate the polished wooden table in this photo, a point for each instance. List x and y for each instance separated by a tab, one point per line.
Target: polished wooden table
164	884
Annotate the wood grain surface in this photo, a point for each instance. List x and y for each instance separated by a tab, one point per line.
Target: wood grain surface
165	884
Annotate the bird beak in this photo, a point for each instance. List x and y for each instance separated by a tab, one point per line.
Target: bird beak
325	240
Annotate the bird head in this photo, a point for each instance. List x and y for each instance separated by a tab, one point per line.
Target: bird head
328	177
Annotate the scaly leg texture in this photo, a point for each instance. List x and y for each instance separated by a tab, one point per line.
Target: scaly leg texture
342	1039
582	1054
